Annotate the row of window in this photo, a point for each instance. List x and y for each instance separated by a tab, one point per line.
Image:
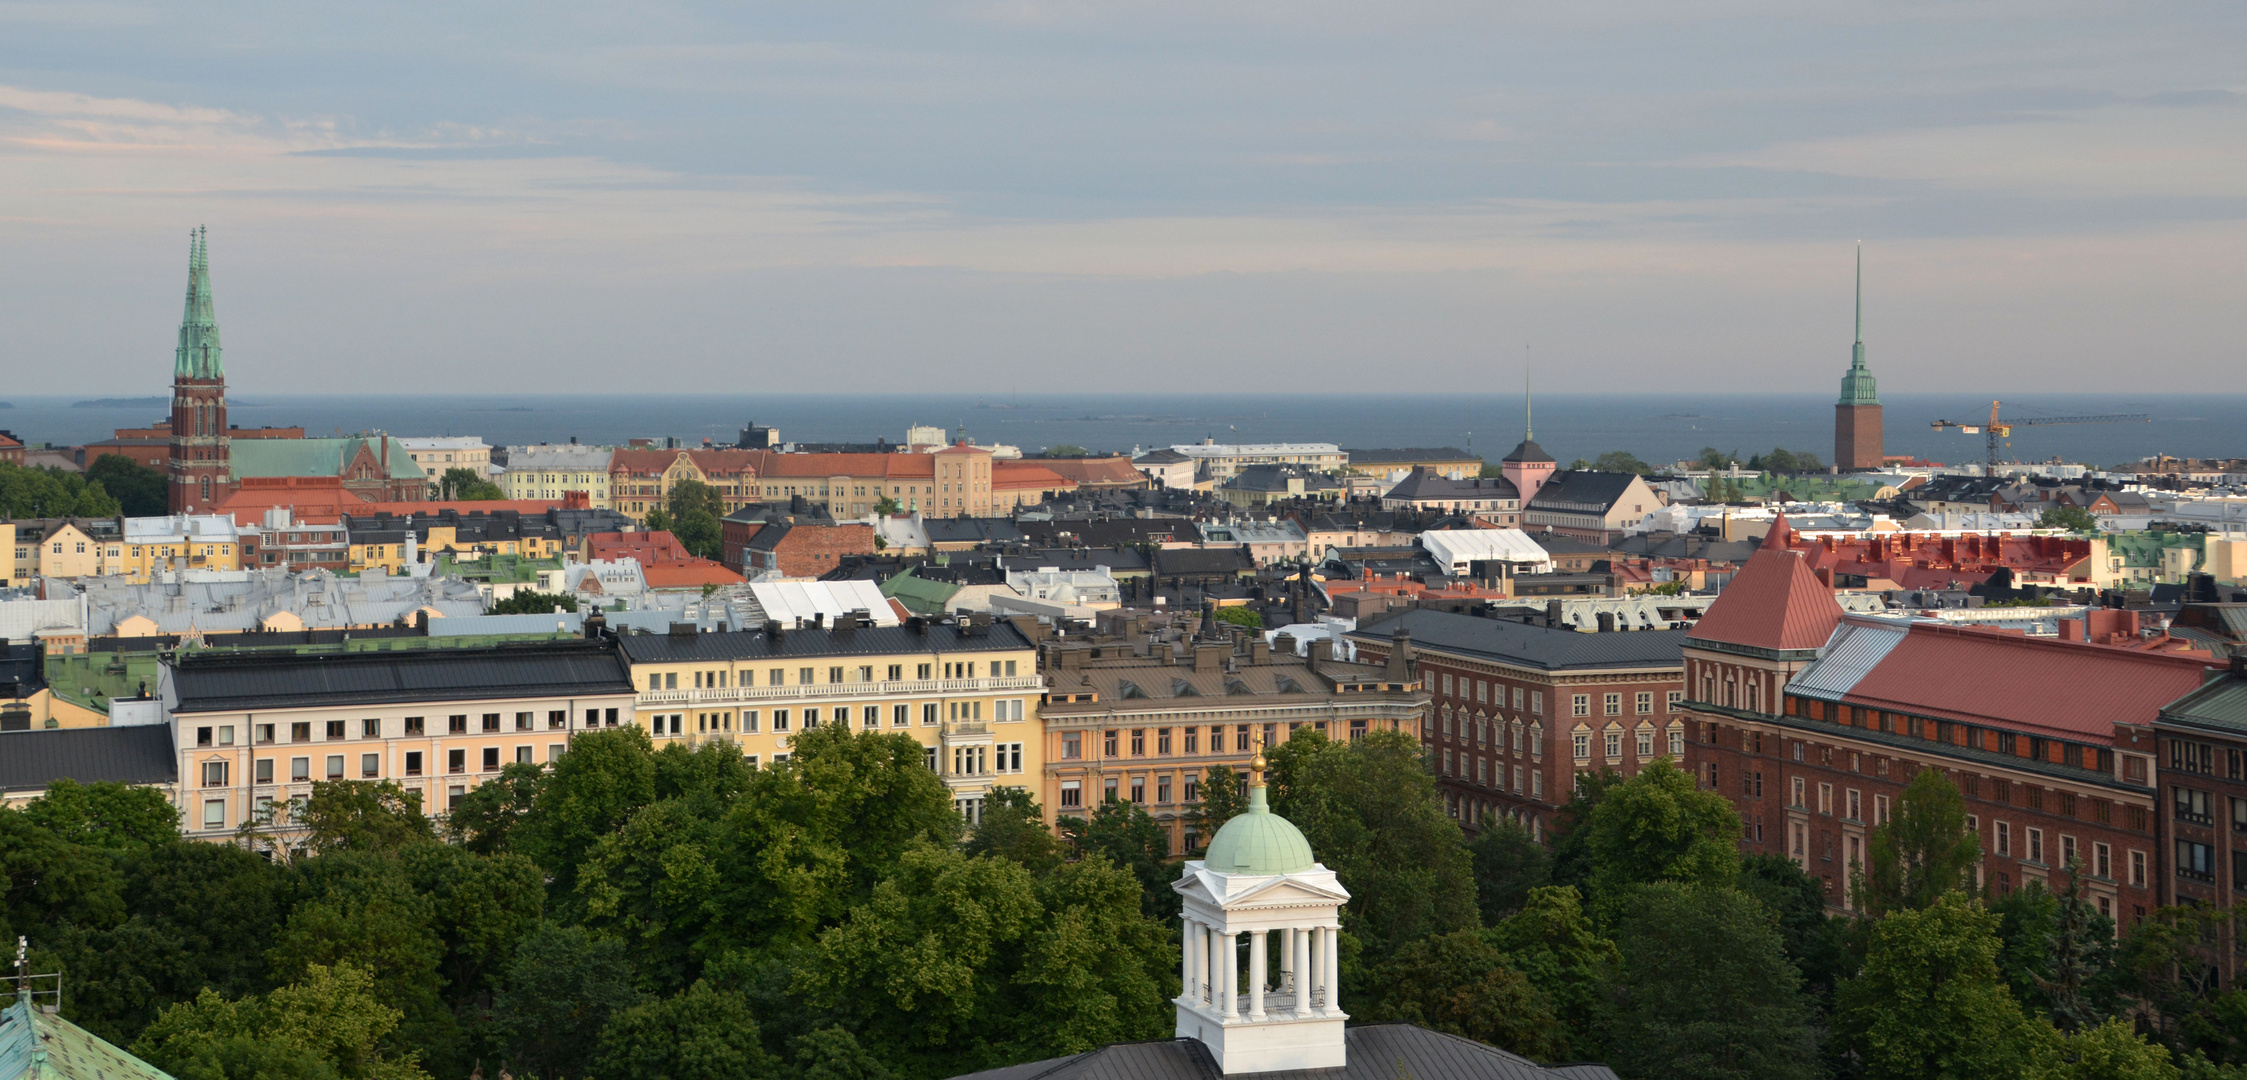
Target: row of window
409	727
1951	733
752	721
719	679
2186	755
1492	693
1611	741
1483	768
2199	808
1114	741
264	770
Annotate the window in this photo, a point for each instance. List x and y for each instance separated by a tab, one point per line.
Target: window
1138	790
370	766
456	761
1677	742
335	766
413	763
1162	789
370	729
1193	745
524	720
2196	861
300	731
1614	745
557	719
1162	744
1825	798
2193	806
899	716
491	721
1646	742
1583	740
416	725
1797	790
214	774
1537	702
1581	705
2005	838
1072	745
300	770
457	725
1072	793
870	717
1674	697
1241	737
2036	846
1645	702
1856	807
1138	745
2102	861
1613	704
264	770
214	810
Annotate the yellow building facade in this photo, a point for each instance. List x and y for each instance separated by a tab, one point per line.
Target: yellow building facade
969	694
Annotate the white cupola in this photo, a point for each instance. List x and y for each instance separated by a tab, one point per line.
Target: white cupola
1257	1012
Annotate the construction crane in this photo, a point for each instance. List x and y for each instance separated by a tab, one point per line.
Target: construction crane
1999	429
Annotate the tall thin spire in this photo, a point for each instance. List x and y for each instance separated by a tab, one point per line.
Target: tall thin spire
198	356
1860	358
1528	424
1857	385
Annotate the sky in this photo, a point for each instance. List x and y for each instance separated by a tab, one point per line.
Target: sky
1146	196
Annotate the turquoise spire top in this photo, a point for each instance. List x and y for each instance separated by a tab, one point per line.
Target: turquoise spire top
198	356
1858	387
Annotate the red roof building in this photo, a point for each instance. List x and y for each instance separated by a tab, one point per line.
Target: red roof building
1813	723
1932	561
663	560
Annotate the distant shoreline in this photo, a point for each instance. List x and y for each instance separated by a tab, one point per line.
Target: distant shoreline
121	403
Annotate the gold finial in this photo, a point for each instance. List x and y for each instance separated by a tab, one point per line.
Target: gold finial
1256	764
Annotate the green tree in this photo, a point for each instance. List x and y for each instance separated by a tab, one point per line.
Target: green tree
2108	1051
2071	518
331	1022
483	818
32	493
1620	461
1705	989
1816	942
1371	811
955	964
658	519
1066	450
363	815
887	506
461	484
532	602
1924	850
559	991
139	490
1129	837
1781	460
1508	863
700	1034
1460	984
2082	958
2028	919
604	779
1553	945
833	1053
1221	801
1659	826
1013	828
1713	458
1240	615
1929	1002
1571	839
482	907
105	815
2168	964
359	908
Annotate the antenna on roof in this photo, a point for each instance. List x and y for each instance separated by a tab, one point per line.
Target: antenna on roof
1528	427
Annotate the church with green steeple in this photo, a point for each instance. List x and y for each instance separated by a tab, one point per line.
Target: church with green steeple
1857	443
199	463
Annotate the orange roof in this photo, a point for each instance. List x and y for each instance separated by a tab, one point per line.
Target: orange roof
313	500
1110	470
1775	602
649	549
1977	675
1022	474
713	462
889	466
692	574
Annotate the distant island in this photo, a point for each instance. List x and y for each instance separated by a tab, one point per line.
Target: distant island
121	403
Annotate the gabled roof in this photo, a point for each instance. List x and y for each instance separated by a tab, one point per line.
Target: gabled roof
1773	603
35	1045
2220	705
315	457
1584	488
1423	484
1529	452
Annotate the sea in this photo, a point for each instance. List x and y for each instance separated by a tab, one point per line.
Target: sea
1657	427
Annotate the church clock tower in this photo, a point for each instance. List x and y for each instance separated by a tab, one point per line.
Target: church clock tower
199	467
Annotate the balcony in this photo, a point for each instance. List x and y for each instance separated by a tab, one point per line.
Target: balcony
752	695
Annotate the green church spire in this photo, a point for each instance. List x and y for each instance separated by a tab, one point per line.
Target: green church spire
198	356
1858	387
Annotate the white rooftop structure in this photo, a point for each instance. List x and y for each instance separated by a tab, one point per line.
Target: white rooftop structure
792	601
1225	459
1094	588
181	529
1456	550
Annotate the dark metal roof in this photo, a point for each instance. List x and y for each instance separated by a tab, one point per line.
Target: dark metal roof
139	754
1375	1052
1525	645
2221	705
1222	560
1582	488
226	682
864	641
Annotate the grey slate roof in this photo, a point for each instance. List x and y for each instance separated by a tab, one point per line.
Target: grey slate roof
2220	706
1582	488
1525	645
226	682
1423	485
865	641
139	754
1376	1052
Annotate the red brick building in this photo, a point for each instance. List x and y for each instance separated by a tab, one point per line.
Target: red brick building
802	548
1813	723
1520	709
2203	771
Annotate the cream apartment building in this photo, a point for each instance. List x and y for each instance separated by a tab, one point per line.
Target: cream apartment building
257	727
968	692
549	472
438	453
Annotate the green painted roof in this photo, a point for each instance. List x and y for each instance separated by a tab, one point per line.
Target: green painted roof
1259	842
2221	704
1857	386
919	595
2143	549
198	354
313	457
38	1046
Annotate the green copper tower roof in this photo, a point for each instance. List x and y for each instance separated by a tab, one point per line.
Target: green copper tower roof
1857	387
1259	842
198	356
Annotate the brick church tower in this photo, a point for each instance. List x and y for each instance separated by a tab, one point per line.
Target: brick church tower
1856	417
198	466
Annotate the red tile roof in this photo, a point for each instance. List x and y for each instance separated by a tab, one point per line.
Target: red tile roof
649	549
692	574
1984	676
1103	472
892	466
1775	602
714	462
1021	474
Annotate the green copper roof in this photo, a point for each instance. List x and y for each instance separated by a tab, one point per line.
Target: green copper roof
1857	387
37	1046
198	356
919	595
313	457
1259	842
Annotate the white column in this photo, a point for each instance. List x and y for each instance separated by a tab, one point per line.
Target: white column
1327	968
1231	960
1287	961
1186	987
1299	945
1256	965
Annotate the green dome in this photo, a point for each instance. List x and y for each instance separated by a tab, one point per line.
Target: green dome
1258	842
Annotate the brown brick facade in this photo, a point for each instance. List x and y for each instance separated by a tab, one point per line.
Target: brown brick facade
1857	441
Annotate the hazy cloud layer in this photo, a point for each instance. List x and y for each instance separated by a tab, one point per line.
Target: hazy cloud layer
1032	194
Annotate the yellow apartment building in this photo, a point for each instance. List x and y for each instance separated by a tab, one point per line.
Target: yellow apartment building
254	727
968	693
550	472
